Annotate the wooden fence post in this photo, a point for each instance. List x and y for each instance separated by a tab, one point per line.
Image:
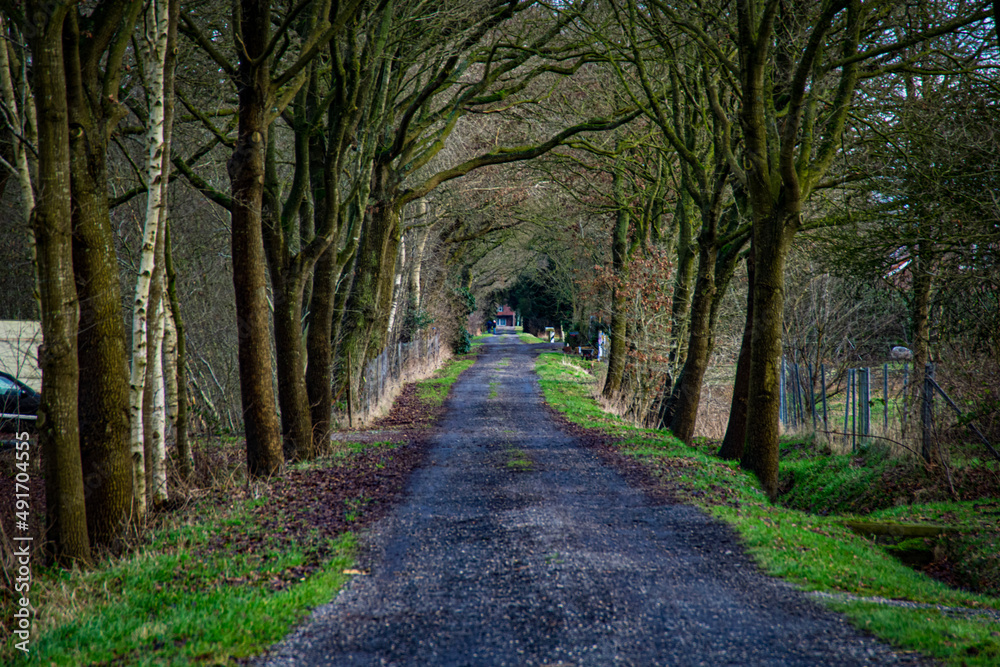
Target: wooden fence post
927	414
906	382
350	393
782	407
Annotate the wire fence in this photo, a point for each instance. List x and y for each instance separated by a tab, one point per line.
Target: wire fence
397	364
854	406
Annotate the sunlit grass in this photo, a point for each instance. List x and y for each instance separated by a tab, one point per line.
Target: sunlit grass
176	602
434	390
528	338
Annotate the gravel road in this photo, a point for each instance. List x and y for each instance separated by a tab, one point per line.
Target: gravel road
516	546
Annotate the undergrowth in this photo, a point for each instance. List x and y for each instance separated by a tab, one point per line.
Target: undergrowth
808	542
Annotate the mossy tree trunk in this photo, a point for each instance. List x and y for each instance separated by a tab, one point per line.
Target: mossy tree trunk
618	352
365	315
66	537
288	280
94	65
732	443
246	174
785	155
688	387
922	285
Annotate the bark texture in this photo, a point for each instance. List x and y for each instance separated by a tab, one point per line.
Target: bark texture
66	518
246	174
618	350
688	388
732	443
93	63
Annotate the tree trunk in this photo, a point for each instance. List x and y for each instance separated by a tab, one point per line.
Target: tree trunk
923	278
170	367
683	279
374	269
154	407
687	391
398	290
288	270
185	456
246	174
319	349
20	155
760	449
416	263
66	516
618	350
732	443
296	422
101	341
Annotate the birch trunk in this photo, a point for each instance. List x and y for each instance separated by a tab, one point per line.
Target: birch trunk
178	367
416	264
169	367
156	41
20	154
397	290
25	116
155	444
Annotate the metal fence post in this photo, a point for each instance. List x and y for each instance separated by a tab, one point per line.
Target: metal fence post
800	394
812	395
854	410
847	409
865	402
822	386
885	397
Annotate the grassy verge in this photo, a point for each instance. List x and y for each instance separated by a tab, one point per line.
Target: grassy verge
179	599
818	553
434	390
227	575
528	338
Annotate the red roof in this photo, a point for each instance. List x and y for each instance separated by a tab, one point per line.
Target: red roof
505	310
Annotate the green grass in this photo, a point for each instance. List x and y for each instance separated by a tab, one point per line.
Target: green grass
434	390
815	552
528	338
518	461
953	640
177	603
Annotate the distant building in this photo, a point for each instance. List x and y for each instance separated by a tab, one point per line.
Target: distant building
505	316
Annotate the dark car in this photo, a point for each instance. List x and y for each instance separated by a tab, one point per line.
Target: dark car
18	405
